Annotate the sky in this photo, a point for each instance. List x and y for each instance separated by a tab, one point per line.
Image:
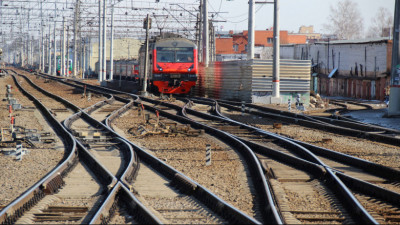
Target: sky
293	13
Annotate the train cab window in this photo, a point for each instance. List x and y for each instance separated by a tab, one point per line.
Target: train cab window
184	56
165	56
174	54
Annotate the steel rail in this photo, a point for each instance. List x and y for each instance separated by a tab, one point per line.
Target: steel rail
179	180
333	119
52	181
359	212
312	123
221	207
272	215
109	179
373	168
356	184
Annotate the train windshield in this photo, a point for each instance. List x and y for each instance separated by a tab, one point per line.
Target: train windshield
168	54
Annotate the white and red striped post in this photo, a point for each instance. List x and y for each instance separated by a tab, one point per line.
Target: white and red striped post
12	124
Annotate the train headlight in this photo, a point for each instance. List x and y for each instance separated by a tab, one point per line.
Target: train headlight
191	67
159	68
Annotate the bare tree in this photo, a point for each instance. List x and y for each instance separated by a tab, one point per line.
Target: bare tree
345	20
382	24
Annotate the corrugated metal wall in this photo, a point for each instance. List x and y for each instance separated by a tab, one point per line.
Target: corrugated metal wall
240	80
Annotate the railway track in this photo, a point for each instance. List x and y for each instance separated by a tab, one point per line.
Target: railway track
205	203
334	123
343	165
175	197
289	217
85	183
383	194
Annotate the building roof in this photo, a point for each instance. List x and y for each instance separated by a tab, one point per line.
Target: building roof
358	41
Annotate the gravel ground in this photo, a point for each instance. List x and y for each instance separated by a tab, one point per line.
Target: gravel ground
17	176
69	93
384	154
187	154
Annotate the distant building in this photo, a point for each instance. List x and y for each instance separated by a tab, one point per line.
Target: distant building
347	68
309	33
125	49
234	45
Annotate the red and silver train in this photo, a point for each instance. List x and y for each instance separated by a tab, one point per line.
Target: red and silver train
172	66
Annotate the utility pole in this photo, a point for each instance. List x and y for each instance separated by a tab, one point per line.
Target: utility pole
251	32
104	40
32	50
68	56
76	36
111	44
55	41
49	52
41	54
198	34
27	41
200	46
276	52
83	59
63	50
212	42
206	38
100	45
394	99
147	26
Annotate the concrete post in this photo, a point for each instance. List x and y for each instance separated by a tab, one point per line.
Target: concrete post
111	44
100	45
104	40
206	37
276	59
68	54
144	90
49	55
63	66
394	98
55	49
75	60
251	32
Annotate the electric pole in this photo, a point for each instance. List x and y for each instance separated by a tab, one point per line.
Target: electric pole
276	52
147	27
63	50
55	41
100	45
394	104
251	32
49	51
68	52
76	18
112	44
206	37
104	40
41	63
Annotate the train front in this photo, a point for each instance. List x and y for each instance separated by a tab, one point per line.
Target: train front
174	66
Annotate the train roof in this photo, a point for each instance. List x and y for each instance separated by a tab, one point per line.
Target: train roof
175	42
